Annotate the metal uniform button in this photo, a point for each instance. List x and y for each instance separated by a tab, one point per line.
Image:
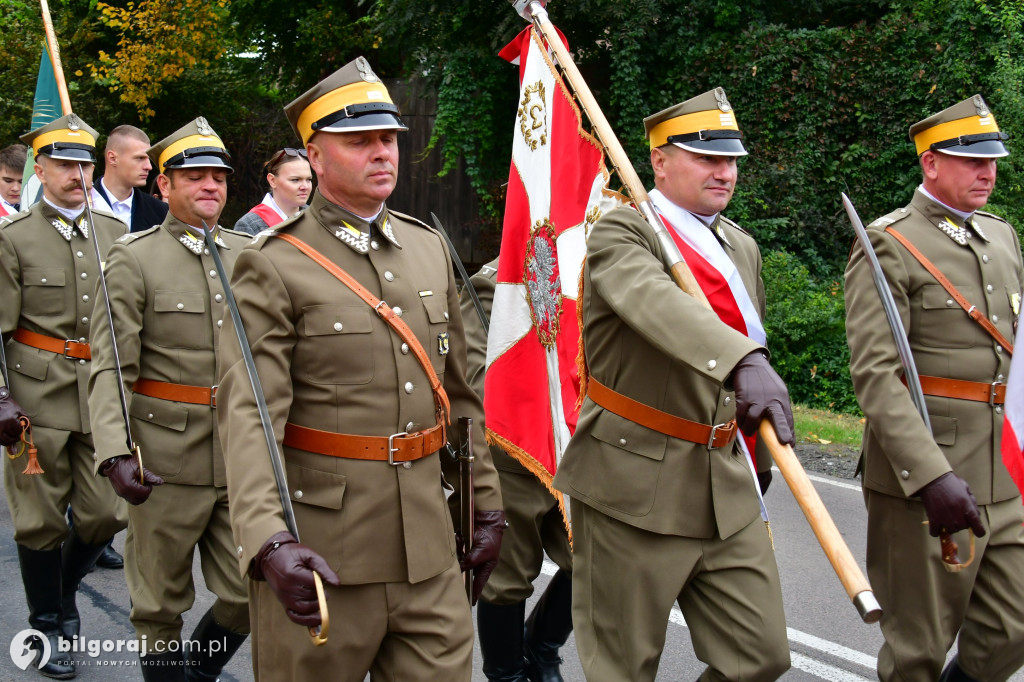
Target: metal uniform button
999	409
712	364
995	318
389	276
407	465
1001	377
410	426
904	474
85	297
984	258
80	254
728	400
149	416
405	349
213	273
398	311
622	441
239	550
374	245
181	306
446	314
85	320
949	303
409	387
220	323
85	275
988	288
999	349
81	362
298	494
337	326
218	298
43	280
206	252
82	340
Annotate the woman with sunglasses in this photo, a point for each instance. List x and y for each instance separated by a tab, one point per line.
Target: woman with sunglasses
291	182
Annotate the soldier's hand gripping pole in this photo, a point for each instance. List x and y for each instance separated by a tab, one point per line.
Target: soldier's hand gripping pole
130	443
838	553
467	505
950	557
319	633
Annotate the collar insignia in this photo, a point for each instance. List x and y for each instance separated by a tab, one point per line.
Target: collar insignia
958	234
67	231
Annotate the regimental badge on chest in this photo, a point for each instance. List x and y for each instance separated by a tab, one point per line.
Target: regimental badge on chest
442	343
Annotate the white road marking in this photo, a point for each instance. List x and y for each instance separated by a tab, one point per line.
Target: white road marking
839	483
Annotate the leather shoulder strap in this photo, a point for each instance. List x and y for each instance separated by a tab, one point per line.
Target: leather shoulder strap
971	310
386	313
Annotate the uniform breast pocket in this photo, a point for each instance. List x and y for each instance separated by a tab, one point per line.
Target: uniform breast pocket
942	323
43	292
437	316
337	347
180	319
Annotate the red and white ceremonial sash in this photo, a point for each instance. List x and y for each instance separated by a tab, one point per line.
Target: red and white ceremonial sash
1012	446
721	282
556	192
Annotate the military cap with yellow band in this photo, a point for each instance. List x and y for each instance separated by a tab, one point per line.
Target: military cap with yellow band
965	129
351	99
68	138
705	124
194	145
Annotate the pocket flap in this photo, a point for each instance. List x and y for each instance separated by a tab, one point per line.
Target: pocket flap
315	487
935	296
943	429
179	301
28	363
43	277
436	309
323	320
160	412
629	436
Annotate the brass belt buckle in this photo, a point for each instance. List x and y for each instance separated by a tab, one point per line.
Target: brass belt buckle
392	449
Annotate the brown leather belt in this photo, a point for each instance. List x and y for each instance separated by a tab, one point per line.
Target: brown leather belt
716	436
993	393
179	393
395	449
69	348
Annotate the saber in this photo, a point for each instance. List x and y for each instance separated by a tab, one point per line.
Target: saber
465	275
3	361
843	563
319	633
133	447
466	503
950	558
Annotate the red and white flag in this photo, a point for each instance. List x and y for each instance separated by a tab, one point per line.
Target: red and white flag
556	192
1013	426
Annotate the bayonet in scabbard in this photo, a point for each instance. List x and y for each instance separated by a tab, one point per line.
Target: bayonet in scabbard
466	503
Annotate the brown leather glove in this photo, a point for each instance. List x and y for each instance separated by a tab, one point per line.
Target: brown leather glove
950	506
288	567
488	527
10	413
761	394
123	473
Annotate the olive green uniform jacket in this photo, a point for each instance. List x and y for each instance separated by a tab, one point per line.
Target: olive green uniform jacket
648	340
328	362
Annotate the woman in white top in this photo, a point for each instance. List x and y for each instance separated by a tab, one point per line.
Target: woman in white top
291	182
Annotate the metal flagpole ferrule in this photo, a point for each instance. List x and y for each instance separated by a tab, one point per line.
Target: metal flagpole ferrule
317	634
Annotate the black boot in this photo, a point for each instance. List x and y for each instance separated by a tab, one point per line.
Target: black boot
204	665
547	629
954	673
165	667
500	629
77	558
40	573
109	558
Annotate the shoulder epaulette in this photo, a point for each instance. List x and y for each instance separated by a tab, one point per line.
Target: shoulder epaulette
993	216
8	220
405	216
730	223
890	218
132	236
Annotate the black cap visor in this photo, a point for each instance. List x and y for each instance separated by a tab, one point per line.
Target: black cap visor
356	117
200	157
982	146
711	142
69	151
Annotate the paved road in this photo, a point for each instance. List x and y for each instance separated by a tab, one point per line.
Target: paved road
827	638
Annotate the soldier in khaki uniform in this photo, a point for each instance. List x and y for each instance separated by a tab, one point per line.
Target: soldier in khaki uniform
917	483
346	394
516	648
664	505
168	309
48	278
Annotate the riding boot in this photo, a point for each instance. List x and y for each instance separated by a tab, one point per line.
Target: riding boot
40	573
500	628
954	673
77	558
204	662
166	667
109	557
548	628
